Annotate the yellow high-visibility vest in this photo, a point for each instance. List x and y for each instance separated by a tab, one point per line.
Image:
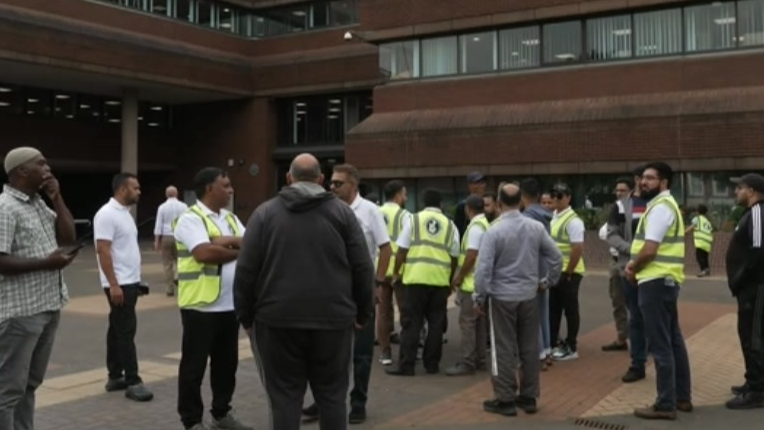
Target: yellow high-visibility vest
428	261
394	216
703	235
669	262
559	231
479	222
200	284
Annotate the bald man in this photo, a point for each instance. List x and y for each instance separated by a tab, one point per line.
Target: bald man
304	282
508	274
164	239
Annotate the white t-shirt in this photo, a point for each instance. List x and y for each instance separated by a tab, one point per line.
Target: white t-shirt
191	232
475	236
372	223
114	223
404	239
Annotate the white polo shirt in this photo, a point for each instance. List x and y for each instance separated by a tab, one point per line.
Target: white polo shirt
372	223
166	214
114	223
191	232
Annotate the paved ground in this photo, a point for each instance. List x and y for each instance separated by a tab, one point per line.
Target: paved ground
583	394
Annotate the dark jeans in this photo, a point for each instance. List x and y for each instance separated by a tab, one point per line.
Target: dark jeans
363	356
702	257
420	303
658	302
121	355
213	336
563	298
637	339
750	329
289	359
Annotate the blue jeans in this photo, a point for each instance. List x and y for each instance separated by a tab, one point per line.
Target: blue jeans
637	339
545	341
658	302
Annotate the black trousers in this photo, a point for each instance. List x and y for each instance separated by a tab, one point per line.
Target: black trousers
423	303
121	355
563	298
289	359
702	257
213	336
363	357
750	329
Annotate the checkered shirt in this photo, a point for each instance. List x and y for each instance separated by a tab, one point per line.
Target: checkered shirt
27	230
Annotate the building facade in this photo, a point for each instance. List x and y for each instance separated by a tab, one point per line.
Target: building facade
425	90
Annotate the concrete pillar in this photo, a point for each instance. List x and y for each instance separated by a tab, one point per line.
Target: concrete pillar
129	160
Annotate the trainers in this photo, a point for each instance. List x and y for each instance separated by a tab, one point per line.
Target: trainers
747	400
653	413
738	390
633	375
116	385
616	346
228	422
357	415
565	354
460	369
527	404
139	393
386	359
496	406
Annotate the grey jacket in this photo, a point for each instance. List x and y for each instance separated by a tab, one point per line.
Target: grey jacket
619	233
510	255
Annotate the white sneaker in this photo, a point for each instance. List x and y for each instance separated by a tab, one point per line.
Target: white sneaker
565	354
385	360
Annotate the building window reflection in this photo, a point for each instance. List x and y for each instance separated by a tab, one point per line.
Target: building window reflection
321	120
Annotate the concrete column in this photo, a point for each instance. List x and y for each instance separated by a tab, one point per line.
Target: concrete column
129	160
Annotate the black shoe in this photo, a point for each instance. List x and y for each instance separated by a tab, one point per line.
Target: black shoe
139	393
432	370
528	404
357	415
395	338
507	409
739	390
615	346
397	371
116	385
633	375
748	400
310	413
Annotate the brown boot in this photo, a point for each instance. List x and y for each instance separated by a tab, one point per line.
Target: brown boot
651	413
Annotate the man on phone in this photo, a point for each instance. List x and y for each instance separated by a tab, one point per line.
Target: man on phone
119	263
31	260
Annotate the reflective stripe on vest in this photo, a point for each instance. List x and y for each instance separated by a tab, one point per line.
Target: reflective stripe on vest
669	261
199	284
559	231
703	235
479	222
428	261
394	220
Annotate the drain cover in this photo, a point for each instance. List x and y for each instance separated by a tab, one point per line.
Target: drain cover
594	424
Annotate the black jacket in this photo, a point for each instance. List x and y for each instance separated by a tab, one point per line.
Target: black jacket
745	254
304	264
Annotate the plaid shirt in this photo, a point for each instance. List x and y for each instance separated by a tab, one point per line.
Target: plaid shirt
27	230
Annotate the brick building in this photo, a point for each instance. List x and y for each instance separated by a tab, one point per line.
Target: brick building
426	90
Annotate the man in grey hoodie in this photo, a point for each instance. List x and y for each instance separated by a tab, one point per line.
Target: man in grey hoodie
508	275
530	190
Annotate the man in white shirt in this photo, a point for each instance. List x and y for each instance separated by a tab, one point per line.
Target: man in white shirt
119	264
164	239
208	239
344	184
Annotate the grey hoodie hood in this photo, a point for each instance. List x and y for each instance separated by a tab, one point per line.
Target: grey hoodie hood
540	214
303	196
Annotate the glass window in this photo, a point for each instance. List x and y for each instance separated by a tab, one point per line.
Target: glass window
135	4
658	32
478	52
520	48
400	59
159	7
259	26
226	19
38	102
335	127
562	42
183	10
204	13
439	56
11	99
319	14
343	12
285	21
153	115
696	185
112	111
88	108
243	23
63	105
710	27
312	120
751	22
609	38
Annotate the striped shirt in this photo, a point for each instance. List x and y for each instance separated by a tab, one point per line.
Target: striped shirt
28	230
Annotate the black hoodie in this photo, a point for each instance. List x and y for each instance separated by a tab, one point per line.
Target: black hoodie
304	264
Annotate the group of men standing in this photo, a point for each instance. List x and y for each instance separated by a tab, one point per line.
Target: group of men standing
301	280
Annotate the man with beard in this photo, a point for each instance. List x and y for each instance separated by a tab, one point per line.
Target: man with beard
746	281
119	263
657	267
491	207
31	280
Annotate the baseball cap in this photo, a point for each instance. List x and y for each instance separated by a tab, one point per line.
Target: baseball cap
562	189
753	181
475	177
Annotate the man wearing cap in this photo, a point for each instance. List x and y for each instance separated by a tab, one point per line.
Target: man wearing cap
31	281
475	185
745	276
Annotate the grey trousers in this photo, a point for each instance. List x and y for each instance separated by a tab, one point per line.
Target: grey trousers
473	332
25	347
515	335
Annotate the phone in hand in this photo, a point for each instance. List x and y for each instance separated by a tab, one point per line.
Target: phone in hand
73	249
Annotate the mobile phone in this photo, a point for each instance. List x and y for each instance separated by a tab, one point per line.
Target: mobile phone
74	249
